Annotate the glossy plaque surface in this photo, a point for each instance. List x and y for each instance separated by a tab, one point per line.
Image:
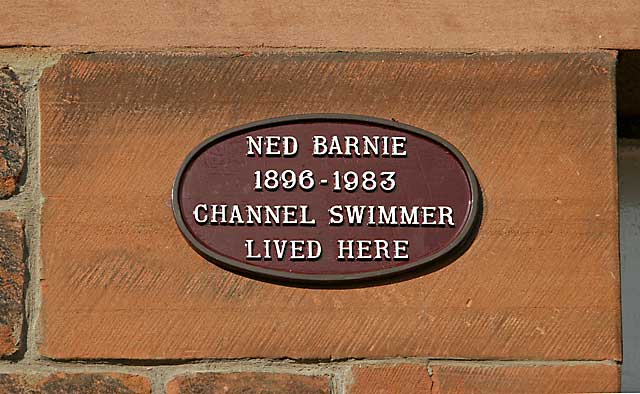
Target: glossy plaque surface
325	198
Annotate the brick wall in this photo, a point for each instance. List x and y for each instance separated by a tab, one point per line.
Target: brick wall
99	293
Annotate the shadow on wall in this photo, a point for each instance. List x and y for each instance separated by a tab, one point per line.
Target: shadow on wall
628	94
628	100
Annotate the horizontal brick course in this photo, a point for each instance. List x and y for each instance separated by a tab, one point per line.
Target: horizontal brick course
430	25
77	383
456	379
390	379
463	379
248	382
12	282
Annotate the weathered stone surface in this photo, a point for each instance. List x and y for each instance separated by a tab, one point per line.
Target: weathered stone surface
390	379
248	382
12	277
12	132
541	280
78	383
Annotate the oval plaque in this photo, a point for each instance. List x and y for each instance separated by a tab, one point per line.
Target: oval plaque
325	198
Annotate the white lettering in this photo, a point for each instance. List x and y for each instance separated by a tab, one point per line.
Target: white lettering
428	213
364	146
409	219
254	146
319	145
197	217
250	255
293	250
275	145
336	215
355	213
367	250
446	212
400	247
218	213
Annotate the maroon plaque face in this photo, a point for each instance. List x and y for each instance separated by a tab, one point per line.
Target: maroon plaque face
325	198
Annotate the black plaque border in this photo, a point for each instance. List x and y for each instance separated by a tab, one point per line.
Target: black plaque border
457	246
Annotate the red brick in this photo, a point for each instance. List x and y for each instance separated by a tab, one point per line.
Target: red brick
12	132
390	379
596	378
435	24
541	280
248	382
12	277
460	379
77	383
